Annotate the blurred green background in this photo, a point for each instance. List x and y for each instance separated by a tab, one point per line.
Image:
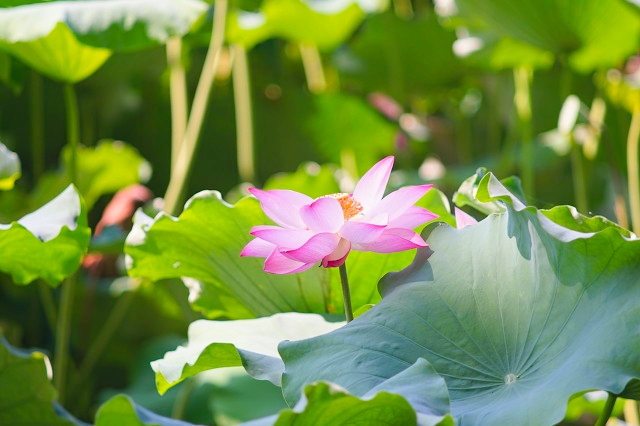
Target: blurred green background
542	89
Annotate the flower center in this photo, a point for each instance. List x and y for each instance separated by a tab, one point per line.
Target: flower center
350	206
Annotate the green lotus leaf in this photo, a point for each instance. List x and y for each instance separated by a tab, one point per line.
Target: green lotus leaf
70	40
26	394
594	34
122	411
10	169
333	121
103	169
489	51
48	243
324	25
203	247
310	178
396	56
516	312
107	168
250	343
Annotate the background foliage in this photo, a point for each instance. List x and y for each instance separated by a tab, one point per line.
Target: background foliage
301	95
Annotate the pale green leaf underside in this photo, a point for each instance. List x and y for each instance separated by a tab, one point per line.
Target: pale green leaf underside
70	40
250	343
48	243
592	34
517	313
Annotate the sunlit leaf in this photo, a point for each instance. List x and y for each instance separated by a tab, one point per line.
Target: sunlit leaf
325	24
593	34
508	310
250	343
48	243
69	40
10	169
26	394
404	59
203	246
311	179
122	411
107	168
489	51
103	169
333	131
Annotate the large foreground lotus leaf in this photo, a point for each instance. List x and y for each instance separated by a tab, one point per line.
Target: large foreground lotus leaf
203	246
516	312
26	394
48	243
591	33
324	24
69	40
251	343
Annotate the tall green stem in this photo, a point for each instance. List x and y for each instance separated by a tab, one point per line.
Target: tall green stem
244	120
36	107
63	326
313	70
178	95
522	78
184	158
607	410
633	174
180	406
48	304
99	344
63	333
73	130
346	293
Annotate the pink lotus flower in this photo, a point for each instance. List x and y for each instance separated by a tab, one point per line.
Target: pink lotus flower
326	229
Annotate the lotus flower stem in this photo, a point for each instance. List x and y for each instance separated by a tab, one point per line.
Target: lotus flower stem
184	158
607	410
346	293
633	173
